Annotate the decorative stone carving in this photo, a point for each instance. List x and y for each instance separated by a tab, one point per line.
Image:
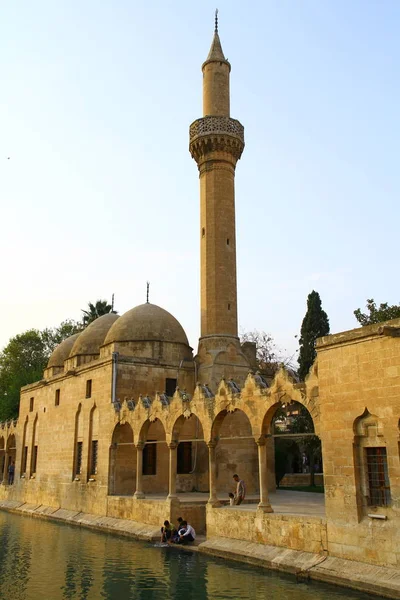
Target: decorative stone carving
216	125
216	134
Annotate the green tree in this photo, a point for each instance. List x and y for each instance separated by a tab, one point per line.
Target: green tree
24	359
377	314
21	362
55	335
315	324
101	307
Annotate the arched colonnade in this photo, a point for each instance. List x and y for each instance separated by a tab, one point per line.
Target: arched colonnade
229	423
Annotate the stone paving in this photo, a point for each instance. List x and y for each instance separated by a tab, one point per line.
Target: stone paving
282	501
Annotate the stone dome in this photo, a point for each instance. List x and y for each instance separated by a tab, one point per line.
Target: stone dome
147	322
62	351
91	338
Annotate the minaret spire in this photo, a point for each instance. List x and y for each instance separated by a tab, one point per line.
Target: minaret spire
216	144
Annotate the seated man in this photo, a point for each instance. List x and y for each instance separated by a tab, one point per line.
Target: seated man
186	534
167	532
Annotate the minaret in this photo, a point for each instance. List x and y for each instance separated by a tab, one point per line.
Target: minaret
216	144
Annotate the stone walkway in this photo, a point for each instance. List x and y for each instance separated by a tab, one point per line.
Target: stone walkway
282	501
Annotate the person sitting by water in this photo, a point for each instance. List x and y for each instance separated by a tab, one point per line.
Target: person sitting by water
240	490
167	532
175	535
231	499
186	533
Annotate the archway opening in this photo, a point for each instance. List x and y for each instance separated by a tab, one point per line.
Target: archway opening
192	455
236	452
2	458
11	453
155	469
122	477
297	450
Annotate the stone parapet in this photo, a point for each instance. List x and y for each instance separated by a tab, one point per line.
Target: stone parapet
216	134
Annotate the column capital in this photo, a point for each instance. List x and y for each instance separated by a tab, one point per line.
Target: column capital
173	445
140	445
212	444
261	441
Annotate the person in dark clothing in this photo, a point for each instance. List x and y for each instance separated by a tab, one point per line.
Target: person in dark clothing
11	471
167	532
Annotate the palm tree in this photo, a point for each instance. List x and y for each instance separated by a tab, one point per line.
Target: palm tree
96	310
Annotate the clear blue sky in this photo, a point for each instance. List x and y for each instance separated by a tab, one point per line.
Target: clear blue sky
100	193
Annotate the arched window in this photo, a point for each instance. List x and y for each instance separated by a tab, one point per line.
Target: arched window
371	466
93	442
34	450
78	444
24	457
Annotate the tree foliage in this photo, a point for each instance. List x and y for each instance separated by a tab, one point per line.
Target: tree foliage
315	324
268	356
377	314
23	360
94	311
294	418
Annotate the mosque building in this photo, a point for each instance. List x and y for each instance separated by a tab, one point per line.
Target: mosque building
128	423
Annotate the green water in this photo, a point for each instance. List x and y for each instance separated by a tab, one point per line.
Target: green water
41	560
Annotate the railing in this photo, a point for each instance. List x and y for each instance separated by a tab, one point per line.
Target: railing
216	125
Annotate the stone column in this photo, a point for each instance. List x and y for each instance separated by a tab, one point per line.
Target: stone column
212	472
264	503
139	471
172	469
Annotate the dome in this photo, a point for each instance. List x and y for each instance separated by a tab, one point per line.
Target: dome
62	351
147	322
91	338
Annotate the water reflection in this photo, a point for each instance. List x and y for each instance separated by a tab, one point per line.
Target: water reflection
40	560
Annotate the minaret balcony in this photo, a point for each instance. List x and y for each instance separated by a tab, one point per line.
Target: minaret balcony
216	134
216	125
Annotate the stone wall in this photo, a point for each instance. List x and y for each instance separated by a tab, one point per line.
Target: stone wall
294	532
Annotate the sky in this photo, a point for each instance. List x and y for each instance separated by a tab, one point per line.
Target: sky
99	194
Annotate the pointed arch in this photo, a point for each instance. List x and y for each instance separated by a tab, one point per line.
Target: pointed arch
25	448
34	446
2	457
236	450
78	444
122	464
155	469
92	466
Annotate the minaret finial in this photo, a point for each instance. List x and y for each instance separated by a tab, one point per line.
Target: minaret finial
216	21
148	292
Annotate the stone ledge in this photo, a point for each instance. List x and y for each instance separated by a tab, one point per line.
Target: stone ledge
380	581
125	527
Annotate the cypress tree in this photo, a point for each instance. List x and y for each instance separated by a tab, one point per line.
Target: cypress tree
315	324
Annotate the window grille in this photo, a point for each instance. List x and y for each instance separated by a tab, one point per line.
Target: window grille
89	388
184	458
78	458
150	459
93	460
378	477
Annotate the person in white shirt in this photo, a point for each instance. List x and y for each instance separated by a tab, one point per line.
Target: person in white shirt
240	489
186	534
